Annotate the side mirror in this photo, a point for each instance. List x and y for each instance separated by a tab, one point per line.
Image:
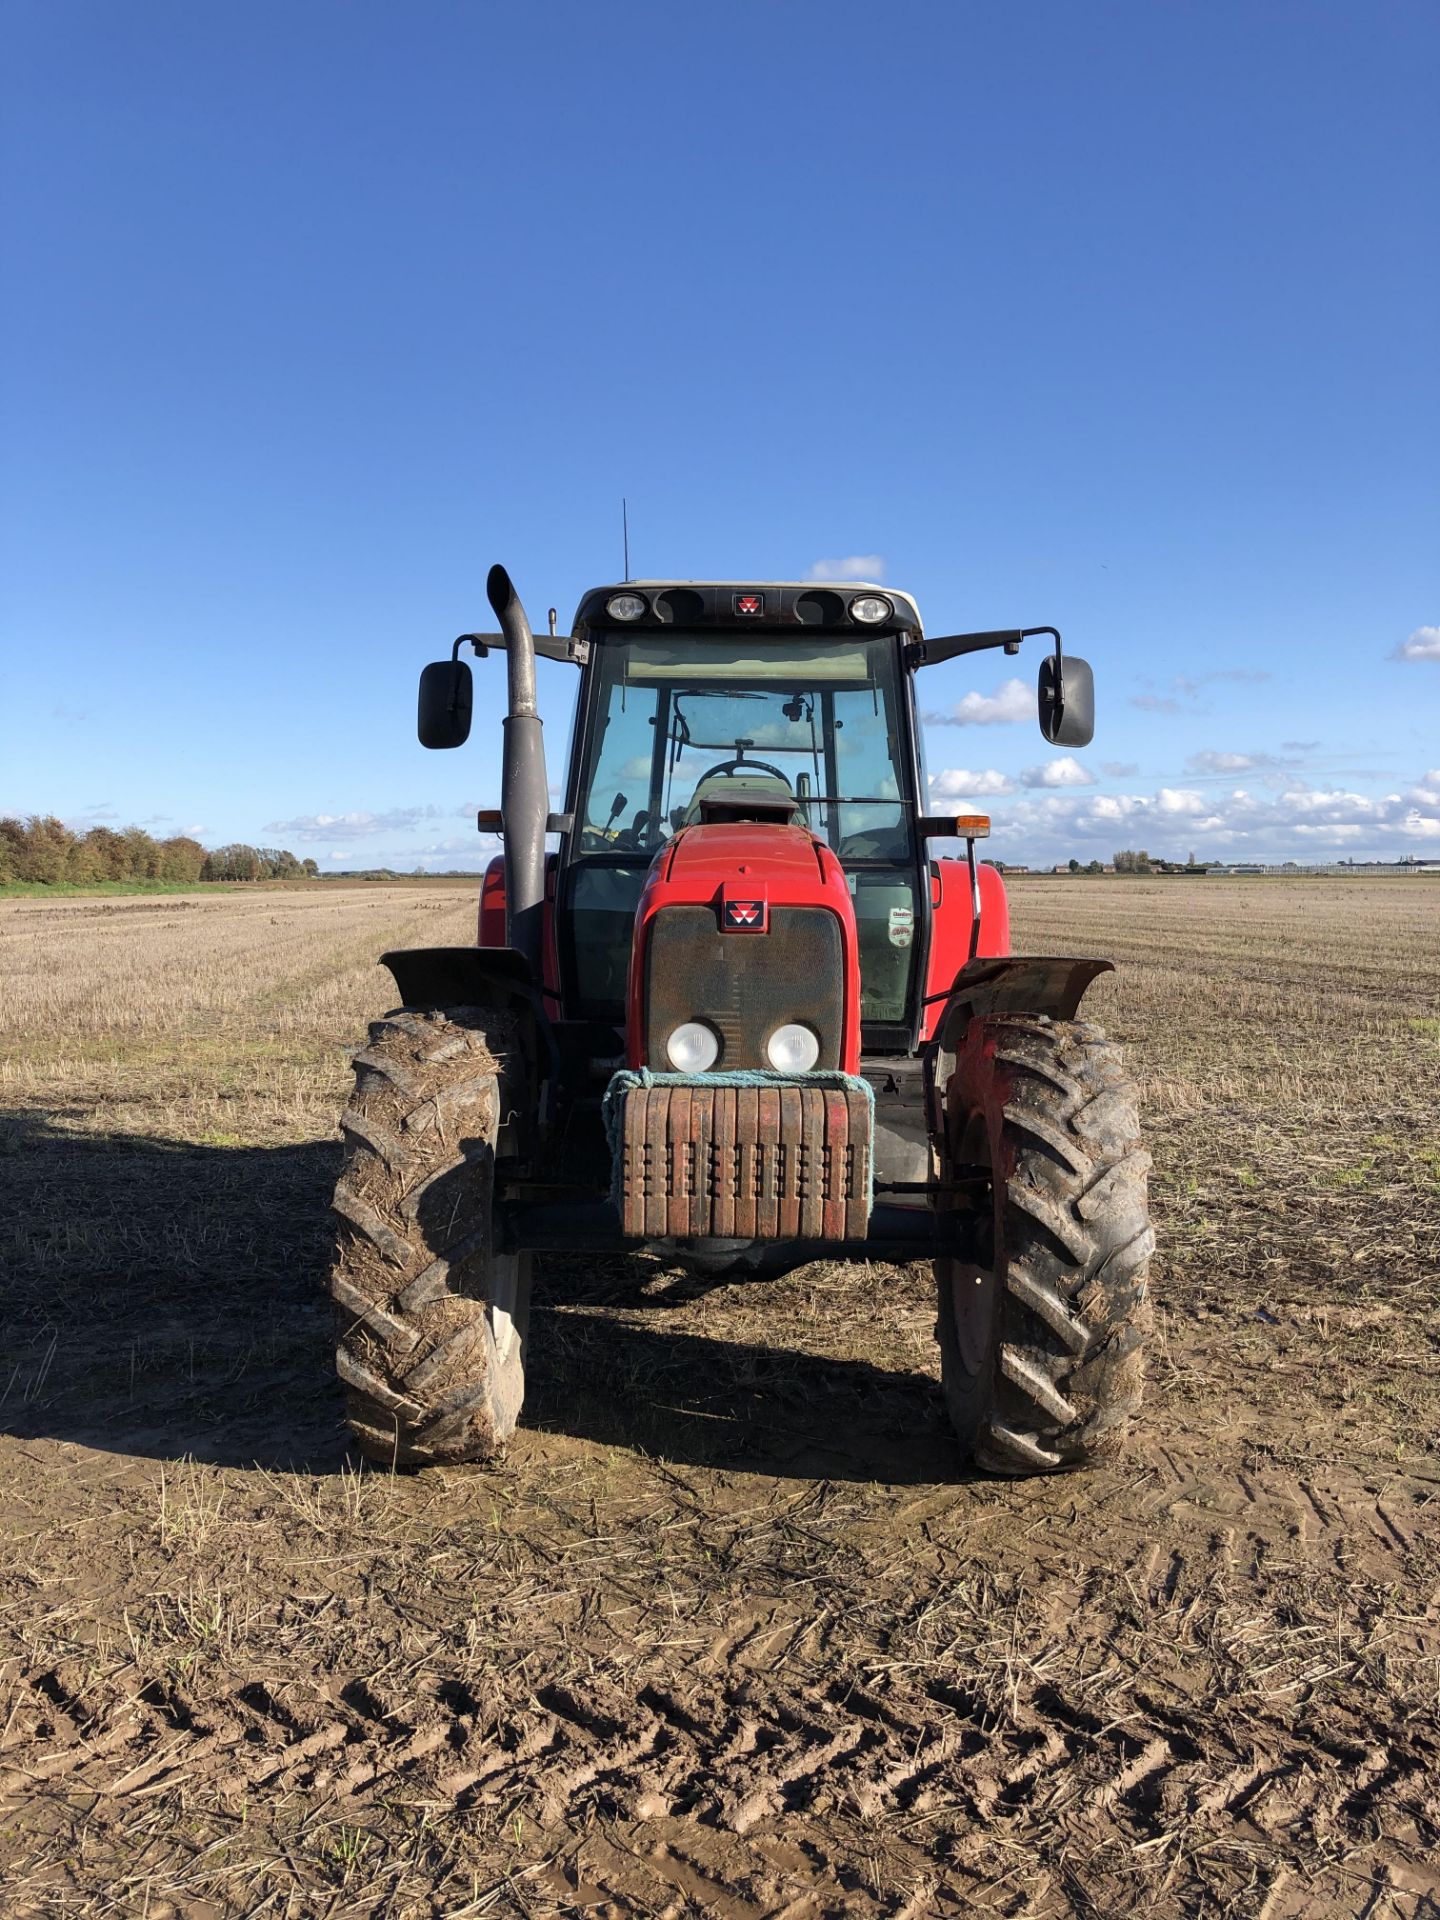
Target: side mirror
1067	701
447	694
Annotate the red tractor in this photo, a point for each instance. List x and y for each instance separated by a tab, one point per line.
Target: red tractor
742	1015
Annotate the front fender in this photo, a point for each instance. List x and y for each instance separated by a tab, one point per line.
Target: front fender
435	978
432	977
1018	983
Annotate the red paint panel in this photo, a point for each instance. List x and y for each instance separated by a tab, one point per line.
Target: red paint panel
952	924
492	919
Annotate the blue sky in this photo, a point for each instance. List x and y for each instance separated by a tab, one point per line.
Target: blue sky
1120	317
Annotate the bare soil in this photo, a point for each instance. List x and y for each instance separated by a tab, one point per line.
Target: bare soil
731	1633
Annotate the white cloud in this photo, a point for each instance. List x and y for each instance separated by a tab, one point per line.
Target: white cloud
1212	762
1423	644
855	566
1064	772
1104	808
455	843
1298	822
953	783
1181	800
360	825
1012	701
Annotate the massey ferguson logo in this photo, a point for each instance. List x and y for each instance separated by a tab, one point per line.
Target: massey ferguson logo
746	916
751	603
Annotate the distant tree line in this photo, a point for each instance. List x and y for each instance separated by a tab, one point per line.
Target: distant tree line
1133	860
239	862
43	848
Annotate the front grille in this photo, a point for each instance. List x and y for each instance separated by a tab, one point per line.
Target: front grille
744	984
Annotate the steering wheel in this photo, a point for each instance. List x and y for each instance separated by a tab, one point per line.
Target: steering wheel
732	767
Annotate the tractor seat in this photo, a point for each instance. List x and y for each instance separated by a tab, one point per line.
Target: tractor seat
725	797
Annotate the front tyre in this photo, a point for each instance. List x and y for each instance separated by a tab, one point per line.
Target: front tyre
1042	1335
431	1319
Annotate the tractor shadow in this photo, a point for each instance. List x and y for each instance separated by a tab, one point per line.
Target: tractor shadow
166	1299
680	1396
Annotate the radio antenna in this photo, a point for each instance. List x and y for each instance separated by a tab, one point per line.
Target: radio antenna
625	529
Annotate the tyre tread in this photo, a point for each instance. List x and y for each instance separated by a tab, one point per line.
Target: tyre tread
424	1383
1072	1309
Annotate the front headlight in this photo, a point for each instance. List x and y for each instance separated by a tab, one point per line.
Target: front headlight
693	1047
792	1049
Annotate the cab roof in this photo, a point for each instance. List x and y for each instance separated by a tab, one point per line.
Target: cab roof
716	603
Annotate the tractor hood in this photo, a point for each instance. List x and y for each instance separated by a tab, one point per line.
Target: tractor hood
784	862
750	923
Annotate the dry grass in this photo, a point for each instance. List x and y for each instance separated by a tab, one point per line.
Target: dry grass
730	1634
202	1015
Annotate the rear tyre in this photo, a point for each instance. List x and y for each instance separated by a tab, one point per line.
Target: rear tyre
1042	1337
431	1319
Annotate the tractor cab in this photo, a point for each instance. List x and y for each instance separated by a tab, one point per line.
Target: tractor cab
720	717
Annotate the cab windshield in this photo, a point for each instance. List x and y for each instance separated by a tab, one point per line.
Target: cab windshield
692	721
692	726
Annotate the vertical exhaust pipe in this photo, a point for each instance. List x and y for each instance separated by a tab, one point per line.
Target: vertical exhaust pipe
524	794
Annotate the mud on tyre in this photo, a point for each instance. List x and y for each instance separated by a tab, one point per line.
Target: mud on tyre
1042	1335
431	1319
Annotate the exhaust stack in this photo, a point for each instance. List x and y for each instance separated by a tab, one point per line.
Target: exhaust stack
524	794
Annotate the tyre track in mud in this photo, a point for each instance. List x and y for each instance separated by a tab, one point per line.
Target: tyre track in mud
1149	1667
736	1791
1144	1670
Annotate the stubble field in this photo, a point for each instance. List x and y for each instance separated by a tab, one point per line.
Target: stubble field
731	1633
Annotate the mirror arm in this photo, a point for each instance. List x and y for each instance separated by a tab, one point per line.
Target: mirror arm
1054	633
474	638
950	646
568	648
